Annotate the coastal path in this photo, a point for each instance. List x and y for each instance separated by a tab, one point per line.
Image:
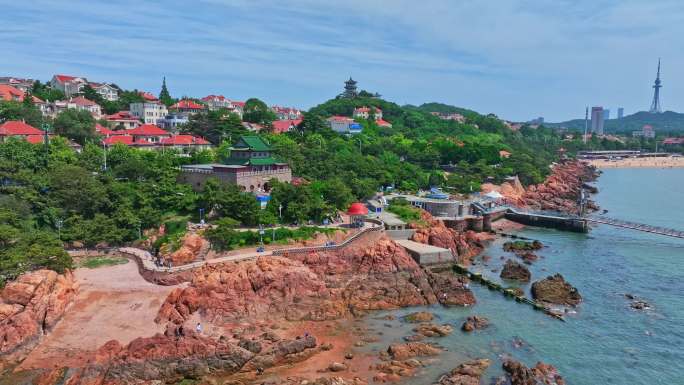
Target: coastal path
636	226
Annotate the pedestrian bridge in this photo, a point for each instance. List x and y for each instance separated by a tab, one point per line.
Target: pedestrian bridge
580	223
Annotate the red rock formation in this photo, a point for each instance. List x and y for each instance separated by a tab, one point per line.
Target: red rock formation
519	374
192	248
31	305
316	286
468	373
560	191
169	358
464	245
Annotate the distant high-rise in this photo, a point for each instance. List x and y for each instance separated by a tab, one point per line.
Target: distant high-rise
606	114
655	104
621	113
597	120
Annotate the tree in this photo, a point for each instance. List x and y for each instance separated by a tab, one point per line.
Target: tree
216	126
227	200
89	93
26	111
256	111
164	95
77	125
46	93
223	236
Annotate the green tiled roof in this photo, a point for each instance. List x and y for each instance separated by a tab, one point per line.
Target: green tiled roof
254	143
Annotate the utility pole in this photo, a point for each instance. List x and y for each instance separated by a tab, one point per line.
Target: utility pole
104	148
46	142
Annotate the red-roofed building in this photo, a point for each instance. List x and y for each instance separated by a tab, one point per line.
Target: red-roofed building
104	131
148	132
188	106
365	112
383	123
123	120
18	129
286	113
82	104
185	142
673	141
70	85
11	93
280	126
344	125
18	83
107	91
148	96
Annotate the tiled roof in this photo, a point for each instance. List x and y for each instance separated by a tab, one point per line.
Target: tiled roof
184	140
81	101
214	97
15	127
148	96
125	139
280	126
121	115
64	78
34	139
104	130
8	92
267	161
187	104
338	118
147	130
383	123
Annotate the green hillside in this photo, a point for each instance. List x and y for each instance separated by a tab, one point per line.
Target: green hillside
667	122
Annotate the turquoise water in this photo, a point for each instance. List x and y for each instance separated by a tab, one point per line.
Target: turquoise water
605	341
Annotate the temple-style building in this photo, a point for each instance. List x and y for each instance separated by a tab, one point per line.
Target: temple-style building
251	166
350	89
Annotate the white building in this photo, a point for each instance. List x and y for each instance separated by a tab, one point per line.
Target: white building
344	125
173	120
149	112
106	91
70	85
365	113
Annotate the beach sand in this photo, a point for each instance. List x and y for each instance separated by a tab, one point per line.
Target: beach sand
664	162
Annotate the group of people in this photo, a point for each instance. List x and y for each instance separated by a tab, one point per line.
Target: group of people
160	262
180	331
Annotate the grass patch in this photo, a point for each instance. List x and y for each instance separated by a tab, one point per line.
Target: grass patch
405	211
95	262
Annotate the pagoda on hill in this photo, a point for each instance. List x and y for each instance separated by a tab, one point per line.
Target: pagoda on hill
350	91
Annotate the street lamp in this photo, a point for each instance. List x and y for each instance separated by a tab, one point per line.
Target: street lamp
201	215
261	234
280	212
59	222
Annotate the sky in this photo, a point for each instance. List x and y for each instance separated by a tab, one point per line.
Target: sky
519	59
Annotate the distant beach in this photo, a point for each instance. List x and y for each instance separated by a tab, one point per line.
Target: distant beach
668	162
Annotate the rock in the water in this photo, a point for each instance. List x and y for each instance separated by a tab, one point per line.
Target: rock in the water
468	373
474	323
433	330
419	316
554	289
515	271
519	374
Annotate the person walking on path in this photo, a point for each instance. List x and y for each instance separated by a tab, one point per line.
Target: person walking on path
198	328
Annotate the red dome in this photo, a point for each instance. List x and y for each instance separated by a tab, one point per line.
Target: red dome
357	208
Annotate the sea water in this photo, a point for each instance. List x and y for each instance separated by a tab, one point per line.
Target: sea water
604	341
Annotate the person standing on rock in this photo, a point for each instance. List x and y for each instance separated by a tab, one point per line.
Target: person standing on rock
198	328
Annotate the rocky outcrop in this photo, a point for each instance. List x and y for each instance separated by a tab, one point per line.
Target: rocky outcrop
31	305
309	286
192	248
474	323
419	316
168	358
467	373
433	330
561	190
451	290
411	349
464	245
522	246
554	289
541	374
514	271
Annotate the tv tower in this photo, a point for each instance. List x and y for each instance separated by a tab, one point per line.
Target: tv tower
655	105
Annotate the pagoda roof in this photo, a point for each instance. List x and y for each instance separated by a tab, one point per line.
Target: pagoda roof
267	161
253	143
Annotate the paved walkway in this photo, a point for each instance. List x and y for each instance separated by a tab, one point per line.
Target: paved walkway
147	260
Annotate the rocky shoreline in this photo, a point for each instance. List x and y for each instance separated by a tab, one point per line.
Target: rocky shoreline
253	312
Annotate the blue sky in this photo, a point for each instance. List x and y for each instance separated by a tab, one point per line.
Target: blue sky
518	59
